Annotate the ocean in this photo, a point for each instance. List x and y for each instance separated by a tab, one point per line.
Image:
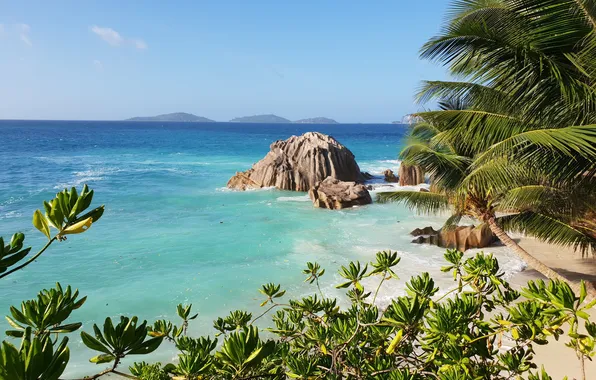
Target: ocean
172	233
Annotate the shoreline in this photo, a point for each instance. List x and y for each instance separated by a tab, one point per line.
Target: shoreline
558	359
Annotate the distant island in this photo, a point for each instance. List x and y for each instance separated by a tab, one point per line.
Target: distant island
176	116
260	119
316	120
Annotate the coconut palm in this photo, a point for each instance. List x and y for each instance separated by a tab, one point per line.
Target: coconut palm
513	145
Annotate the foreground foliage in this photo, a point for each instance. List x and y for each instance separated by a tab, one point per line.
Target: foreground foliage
478	329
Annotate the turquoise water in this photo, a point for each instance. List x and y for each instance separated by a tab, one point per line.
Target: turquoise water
173	234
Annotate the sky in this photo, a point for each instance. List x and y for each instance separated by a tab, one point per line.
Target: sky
350	60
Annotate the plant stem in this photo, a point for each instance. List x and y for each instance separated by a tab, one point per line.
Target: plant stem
319	287
453	290
265	312
30	260
379	287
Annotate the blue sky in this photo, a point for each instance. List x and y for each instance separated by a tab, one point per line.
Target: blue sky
354	61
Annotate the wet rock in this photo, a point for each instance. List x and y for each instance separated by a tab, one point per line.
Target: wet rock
390	176
424	231
367	175
336	195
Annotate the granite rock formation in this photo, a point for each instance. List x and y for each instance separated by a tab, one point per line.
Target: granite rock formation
462	237
300	162
410	175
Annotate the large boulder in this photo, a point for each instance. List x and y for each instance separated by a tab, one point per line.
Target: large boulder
410	175
462	238
390	176
298	163
336	195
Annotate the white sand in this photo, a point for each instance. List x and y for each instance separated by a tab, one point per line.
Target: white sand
558	359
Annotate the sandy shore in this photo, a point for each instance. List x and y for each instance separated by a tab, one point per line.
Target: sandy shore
558	359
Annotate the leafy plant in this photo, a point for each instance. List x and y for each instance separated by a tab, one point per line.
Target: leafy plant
46	314
116	342
36	358
62	213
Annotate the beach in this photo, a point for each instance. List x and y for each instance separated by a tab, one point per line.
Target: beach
558	359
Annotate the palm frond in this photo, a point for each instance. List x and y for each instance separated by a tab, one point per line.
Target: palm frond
565	153
497	177
423	131
550	230
470	95
529	49
473	131
446	169
452	221
423	202
463	8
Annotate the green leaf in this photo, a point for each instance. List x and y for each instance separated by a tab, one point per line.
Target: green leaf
582	291
93	343
395	341
15	333
101	359
66	328
40	222
146	347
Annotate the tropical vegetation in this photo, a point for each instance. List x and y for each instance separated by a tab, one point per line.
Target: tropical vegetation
478	329
513	143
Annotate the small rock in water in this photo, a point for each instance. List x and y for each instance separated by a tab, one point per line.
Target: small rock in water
390	176
336	195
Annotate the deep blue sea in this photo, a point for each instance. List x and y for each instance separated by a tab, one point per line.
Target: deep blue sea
172	233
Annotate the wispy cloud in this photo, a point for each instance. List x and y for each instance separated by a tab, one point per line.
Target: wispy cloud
24	30
98	65
114	38
139	44
109	35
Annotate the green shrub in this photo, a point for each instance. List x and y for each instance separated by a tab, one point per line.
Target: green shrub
458	335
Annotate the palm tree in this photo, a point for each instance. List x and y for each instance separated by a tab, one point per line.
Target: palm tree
513	145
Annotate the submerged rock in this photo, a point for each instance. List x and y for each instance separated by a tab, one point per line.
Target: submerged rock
336	195
424	231
410	175
462	238
390	176
367	175
298	163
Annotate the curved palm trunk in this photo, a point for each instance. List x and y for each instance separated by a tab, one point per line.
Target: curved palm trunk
533	262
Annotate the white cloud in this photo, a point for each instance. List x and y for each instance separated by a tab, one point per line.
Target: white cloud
98	65
109	35
26	39
114	38
24	30
139	44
